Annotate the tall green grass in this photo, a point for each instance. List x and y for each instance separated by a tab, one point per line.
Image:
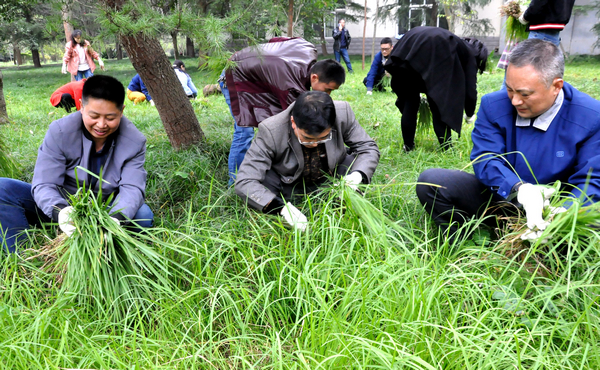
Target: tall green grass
372	286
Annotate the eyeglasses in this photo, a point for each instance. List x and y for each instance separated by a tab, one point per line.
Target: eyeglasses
322	141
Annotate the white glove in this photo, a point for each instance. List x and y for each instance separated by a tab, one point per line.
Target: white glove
101	63
369	92
116	221
522	19
353	180
533	236
64	221
64	69
533	197
470	120
294	217
152	102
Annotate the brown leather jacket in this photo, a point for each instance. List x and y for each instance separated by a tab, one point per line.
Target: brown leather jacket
268	78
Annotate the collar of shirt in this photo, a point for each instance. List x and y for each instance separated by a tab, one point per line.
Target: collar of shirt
543	121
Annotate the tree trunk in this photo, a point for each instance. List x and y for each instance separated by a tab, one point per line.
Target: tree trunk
119	49
3	113
35	56
17	54
364	35
374	31
189	48
434	15
175	110
290	30
66	18
175	50
323	42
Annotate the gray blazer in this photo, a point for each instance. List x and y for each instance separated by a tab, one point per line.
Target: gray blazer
276	147
65	147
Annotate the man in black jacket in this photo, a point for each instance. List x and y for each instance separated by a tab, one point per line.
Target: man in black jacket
546	18
341	43
436	62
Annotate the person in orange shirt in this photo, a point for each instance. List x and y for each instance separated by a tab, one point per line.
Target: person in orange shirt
68	96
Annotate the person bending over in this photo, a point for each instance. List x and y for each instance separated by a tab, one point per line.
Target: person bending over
295	150
68	96
137	91
97	138
374	79
537	131
266	80
436	62
185	80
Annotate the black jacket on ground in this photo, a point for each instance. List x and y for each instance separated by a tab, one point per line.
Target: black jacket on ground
447	67
548	14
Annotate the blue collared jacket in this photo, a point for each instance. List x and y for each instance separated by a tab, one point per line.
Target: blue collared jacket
376	72
137	84
569	150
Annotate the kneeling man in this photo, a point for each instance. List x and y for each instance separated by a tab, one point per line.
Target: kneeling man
96	138
542	131
295	150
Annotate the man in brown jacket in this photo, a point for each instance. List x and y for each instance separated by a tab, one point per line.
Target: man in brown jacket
295	150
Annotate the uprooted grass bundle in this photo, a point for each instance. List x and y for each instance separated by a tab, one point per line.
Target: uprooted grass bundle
515	30
104	265
424	120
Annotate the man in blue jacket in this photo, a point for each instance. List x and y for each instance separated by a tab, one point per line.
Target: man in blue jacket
137	91
375	76
538	131
99	139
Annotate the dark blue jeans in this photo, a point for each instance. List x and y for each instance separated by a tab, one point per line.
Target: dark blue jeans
18	212
344	54
83	74
242	139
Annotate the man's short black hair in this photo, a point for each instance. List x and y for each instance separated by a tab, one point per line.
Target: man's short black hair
329	70
314	112
103	87
386	40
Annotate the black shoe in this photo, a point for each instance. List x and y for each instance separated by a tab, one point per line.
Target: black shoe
408	148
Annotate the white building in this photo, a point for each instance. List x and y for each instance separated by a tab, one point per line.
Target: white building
577	37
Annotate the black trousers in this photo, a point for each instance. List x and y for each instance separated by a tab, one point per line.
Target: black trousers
295	191
452	197
408	86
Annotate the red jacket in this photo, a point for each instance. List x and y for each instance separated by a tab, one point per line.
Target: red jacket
72	88
268	78
71	57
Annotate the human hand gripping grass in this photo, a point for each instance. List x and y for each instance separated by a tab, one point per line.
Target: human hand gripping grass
536	198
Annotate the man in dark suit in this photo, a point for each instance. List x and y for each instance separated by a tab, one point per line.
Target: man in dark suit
295	150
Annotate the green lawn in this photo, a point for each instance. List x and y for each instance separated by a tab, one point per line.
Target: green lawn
371	286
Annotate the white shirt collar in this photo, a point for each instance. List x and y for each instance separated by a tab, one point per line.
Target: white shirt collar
543	121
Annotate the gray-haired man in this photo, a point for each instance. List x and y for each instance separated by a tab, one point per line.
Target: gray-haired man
538	131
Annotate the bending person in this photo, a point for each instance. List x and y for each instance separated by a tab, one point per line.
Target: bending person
440	64
374	79
266	80
295	150
137	91
68	96
79	57
537	131
98	138
185	79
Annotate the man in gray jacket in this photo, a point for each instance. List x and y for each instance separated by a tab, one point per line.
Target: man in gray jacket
96	138
295	149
